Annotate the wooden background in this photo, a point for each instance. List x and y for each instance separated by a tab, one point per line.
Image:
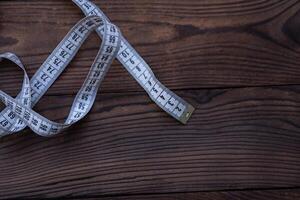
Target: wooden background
237	61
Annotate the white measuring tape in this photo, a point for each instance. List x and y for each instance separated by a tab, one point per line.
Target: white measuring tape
18	112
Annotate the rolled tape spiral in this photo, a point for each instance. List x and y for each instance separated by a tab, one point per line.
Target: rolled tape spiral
18	113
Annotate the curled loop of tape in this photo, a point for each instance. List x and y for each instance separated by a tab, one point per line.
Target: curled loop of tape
18	113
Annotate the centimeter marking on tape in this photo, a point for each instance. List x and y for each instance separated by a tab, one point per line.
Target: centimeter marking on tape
18	112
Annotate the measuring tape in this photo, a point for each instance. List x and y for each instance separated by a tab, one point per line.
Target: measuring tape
18	112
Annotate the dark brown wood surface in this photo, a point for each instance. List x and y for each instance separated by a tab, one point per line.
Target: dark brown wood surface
228	195
236	61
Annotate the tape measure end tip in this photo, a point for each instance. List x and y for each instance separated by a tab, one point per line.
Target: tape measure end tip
188	113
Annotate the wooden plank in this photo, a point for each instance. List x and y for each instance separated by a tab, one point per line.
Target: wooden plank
291	194
238	139
244	138
190	44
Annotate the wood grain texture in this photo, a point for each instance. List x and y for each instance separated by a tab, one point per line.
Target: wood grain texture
190	45
127	145
229	195
236	61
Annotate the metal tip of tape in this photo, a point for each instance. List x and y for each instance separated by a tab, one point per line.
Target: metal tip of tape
187	114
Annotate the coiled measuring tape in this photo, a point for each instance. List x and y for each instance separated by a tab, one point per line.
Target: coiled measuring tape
18	112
